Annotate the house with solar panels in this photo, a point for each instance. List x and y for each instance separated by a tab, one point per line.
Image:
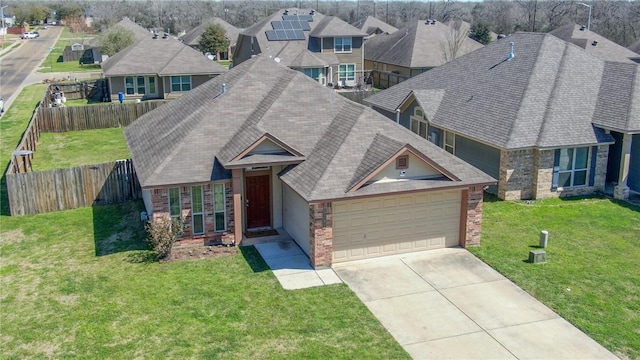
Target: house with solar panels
325	48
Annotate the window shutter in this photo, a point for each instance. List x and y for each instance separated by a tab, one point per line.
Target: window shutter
594	160
556	168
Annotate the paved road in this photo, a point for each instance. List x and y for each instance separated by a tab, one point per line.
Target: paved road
19	63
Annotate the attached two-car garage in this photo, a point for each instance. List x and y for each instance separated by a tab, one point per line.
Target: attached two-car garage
386	225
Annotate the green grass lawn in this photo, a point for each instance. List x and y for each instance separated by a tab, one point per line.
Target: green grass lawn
592	275
81	284
75	148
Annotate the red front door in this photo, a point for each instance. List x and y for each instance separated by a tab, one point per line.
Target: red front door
258	201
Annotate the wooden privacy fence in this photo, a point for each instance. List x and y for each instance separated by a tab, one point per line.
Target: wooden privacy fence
74	118
357	96
385	79
61	189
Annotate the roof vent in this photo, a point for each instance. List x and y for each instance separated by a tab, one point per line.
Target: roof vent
286	12
312	12
501	36
155	36
427	22
165	36
433	22
224	88
511	54
594	43
582	28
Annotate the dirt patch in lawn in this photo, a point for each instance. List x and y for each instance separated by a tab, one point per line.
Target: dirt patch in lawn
12	237
200	252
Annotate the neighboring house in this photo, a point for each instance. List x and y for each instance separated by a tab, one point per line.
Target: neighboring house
325	48
595	44
410	51
264	147
540	116
373	26
157	68
193	36
96	56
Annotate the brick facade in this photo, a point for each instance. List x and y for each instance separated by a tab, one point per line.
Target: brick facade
160	204
528	174
321	234
473	216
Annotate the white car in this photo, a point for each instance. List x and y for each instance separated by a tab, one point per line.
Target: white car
28	35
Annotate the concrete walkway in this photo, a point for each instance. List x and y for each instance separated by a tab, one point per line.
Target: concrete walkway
447	304
291	266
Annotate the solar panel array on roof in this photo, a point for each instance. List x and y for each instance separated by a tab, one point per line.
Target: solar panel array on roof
281	34
290	25
308	18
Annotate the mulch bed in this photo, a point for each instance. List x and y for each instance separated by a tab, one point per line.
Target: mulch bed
201	252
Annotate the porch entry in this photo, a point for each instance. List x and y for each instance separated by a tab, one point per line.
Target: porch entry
258	201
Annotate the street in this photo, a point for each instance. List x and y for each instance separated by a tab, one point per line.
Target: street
20	62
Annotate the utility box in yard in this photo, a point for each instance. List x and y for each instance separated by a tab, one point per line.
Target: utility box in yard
537	256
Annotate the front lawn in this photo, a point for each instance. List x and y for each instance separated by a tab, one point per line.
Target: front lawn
76	148
591	277
80	284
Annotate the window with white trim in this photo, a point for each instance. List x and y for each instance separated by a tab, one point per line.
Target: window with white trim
140	85
346	73
342	45
174	203
197	210
572	167
129	88
181	83
449	142
419	124
219	207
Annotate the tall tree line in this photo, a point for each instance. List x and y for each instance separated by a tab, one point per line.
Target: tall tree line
616	20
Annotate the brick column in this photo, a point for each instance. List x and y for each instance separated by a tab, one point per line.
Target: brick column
471	209
321	234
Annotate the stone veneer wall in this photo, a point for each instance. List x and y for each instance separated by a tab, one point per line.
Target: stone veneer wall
474	216
321	234
160	203
528	174
543	182
516	174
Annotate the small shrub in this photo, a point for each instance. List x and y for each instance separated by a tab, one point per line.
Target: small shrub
162	234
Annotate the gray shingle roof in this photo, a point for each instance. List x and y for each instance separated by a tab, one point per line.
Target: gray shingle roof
331	26
416	46
604	48
544	97
180	142
193	36
159	56
372	25
138	31
618	104
381	149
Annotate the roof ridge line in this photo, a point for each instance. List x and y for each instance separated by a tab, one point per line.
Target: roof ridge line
554	91
636	79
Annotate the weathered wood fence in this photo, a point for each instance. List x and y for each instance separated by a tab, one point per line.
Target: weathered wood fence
45	191
386	79
74	118
357	96
61	189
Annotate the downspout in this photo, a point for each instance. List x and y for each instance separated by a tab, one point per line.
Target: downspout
398	115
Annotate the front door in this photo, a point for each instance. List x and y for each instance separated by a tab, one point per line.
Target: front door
258	201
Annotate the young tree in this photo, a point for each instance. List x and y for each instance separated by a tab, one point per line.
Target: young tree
214	39
480	32
115	40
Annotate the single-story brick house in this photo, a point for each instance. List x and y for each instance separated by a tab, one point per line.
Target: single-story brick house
158	67
265	147
531	110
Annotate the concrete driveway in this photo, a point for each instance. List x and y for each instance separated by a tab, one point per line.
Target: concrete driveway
447	304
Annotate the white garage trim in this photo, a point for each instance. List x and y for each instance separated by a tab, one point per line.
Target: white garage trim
387	225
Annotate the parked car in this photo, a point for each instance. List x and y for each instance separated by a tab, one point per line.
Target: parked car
37	34
28	35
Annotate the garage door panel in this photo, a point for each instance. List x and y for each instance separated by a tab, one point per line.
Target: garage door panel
389	225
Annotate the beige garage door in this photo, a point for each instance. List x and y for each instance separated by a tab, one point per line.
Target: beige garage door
395	224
